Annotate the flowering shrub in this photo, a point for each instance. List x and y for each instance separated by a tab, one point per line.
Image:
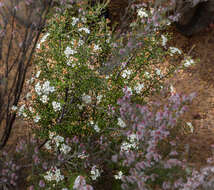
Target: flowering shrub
147	127
68	93
79	107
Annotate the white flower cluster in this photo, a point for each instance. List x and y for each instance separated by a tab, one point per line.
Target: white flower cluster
44	89
121	123
82	155
68	51
158	72
42	40
99	98
38	74
97	48
59	142
36	119
142	13
174	50
94	173
56	106
54	174
14	108
65	149
74	21
86	98
44	98
119	175
164	40
133	141
96	127
21	111
138	88
80	42
147	74
126	73
86	30
188	62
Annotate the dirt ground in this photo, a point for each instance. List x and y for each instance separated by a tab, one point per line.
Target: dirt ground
200	79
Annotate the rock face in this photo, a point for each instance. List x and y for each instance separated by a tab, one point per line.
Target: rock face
196	18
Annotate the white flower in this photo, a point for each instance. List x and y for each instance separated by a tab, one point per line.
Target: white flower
56	106
119	176
37	74
188	62
74	21
31	80
44	37
125	146
94	173
133	138
86	98
86	30
99	98
42	40
133	141
96	128
80	106
84	19
54	174
80	43
164	40
97	47
82	156
108	40
172	89
142	13
65	148
31	109
174	50
46	88
121	123
44	99
58	140
126	73
14	108
138	88
37	118
133	24
21	110
47	145
68	51
38	88
158	72
190	126
69	63
147	74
